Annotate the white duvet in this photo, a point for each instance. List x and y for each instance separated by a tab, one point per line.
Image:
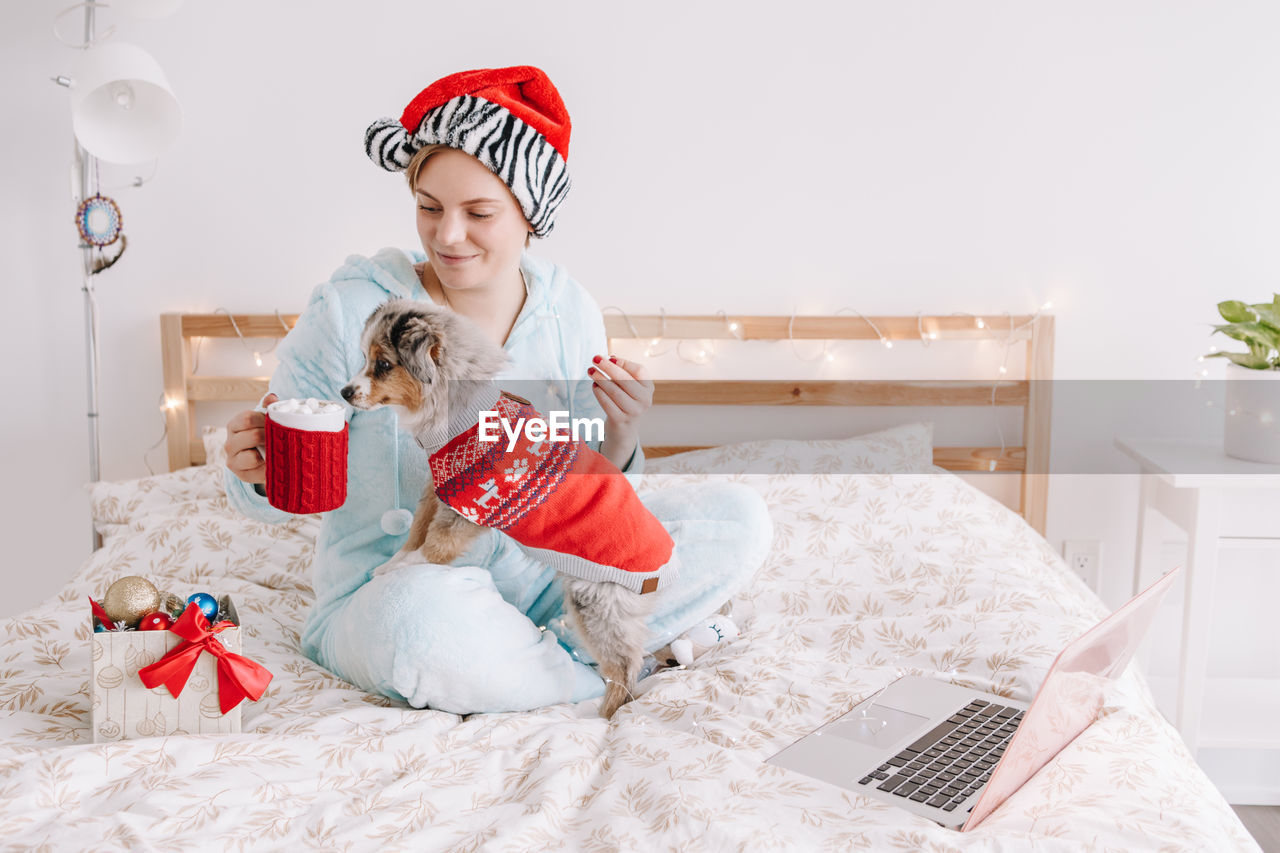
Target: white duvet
871	576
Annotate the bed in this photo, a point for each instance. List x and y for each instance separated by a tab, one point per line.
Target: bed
901	567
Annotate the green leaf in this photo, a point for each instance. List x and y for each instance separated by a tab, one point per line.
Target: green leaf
1268	314
1254	358
1235	311
1247	360
1252	334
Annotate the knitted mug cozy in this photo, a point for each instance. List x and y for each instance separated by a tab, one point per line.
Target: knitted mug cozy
306	469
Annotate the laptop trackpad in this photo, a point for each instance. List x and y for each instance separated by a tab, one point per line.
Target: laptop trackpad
879	726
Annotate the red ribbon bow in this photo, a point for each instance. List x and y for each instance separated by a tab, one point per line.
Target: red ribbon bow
238	677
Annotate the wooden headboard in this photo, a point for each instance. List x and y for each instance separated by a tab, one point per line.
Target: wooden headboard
183	389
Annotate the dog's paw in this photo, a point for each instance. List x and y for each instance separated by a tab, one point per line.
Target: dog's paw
391	565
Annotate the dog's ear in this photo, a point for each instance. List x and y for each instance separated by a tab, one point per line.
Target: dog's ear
417	343
471	354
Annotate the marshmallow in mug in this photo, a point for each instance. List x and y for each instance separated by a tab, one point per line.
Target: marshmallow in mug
308	414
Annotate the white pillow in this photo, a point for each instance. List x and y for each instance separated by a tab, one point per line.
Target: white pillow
906	449
215	454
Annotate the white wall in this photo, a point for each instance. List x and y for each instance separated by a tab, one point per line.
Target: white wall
1118	159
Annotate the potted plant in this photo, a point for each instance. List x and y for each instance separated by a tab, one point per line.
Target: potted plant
1253	380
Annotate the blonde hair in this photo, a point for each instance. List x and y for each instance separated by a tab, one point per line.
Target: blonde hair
419	159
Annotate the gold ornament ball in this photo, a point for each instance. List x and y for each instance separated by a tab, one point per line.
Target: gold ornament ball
129	599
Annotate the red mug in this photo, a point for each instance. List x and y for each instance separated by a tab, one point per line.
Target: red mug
306	456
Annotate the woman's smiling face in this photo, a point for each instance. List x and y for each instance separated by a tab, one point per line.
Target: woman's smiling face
470	225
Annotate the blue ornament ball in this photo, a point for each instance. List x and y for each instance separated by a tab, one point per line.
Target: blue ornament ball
207	603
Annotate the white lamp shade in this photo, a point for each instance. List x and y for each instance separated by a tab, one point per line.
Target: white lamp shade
153	9
122	109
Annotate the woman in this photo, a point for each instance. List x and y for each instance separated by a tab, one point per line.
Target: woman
485	154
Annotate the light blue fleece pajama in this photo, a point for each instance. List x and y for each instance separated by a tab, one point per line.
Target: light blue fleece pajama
467	637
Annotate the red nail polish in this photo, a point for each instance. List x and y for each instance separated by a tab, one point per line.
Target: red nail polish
614	359
596	360
591	371
595	385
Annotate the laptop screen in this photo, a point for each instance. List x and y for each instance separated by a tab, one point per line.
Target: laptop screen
1071	696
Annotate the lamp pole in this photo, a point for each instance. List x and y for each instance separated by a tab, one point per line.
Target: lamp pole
108	76
85	165
84	162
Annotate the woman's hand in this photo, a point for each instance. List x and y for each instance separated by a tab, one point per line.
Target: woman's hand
625	392
246	432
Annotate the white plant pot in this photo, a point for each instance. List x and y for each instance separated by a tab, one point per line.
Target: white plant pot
1253	431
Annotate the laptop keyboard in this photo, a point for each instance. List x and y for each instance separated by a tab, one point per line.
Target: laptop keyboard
955	758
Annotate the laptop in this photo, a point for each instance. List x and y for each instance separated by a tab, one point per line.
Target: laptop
953	754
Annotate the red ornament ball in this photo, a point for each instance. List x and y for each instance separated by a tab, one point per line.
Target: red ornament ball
157	621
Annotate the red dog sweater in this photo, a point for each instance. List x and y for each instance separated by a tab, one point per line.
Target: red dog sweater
563	502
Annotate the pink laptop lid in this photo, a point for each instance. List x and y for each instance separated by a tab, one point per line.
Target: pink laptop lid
1071	696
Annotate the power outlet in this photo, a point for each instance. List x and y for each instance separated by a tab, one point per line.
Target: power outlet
1084	557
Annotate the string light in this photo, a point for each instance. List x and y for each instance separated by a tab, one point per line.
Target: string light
650	351
631	696
824	355
791	341
706	351
702	355
1007	342
166	405
925	340
257	354
733	326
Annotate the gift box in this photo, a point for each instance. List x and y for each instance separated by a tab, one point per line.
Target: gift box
200	662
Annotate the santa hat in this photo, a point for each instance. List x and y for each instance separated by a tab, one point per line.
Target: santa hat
510	119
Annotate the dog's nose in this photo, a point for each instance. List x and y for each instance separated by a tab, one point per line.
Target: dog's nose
348	392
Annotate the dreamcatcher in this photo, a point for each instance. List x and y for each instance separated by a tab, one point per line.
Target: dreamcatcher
98	221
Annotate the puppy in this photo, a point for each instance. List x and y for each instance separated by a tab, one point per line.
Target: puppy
436	369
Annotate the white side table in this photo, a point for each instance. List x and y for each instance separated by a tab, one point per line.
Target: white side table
1219	501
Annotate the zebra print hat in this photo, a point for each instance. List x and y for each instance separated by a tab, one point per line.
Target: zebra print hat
510	119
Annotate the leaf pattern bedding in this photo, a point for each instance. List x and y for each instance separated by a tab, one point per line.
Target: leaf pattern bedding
871	575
